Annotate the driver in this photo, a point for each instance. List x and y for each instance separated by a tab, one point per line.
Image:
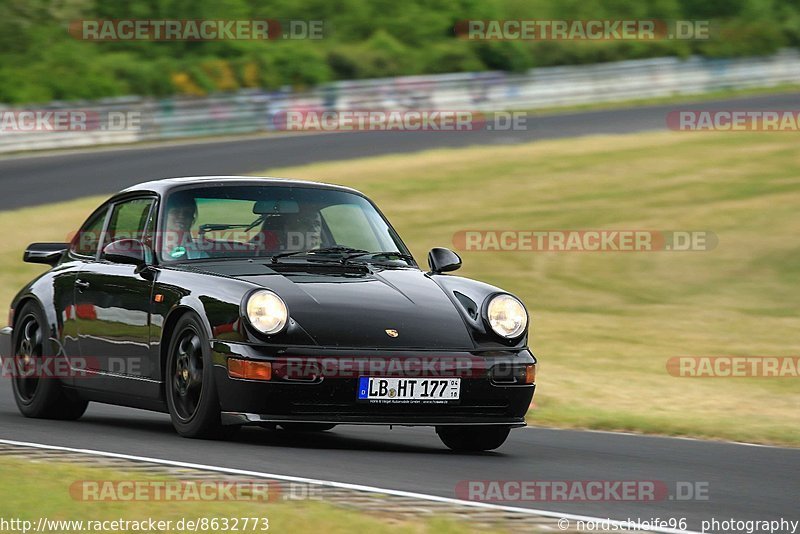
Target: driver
303	230
178	243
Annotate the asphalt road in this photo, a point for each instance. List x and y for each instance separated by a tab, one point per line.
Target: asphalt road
742	482
38	180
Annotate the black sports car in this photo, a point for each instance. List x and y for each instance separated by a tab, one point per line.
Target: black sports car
228	301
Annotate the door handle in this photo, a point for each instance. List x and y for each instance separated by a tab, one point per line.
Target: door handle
81	284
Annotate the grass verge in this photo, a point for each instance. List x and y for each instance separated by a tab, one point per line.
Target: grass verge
30	491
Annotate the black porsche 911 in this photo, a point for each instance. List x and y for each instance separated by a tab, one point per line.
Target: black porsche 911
230	301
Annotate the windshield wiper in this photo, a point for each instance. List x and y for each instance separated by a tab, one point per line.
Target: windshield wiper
388	255
327	250
215	227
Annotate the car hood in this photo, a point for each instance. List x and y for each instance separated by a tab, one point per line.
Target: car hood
356	307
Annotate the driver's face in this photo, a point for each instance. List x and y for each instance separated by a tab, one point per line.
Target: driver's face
180	219
303	232
314	234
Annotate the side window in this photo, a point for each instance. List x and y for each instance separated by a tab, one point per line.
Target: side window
88	238
128	220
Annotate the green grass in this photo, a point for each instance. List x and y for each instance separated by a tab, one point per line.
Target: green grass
604	324
30	490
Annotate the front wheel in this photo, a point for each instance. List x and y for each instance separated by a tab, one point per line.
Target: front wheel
473	438
38	390
190	388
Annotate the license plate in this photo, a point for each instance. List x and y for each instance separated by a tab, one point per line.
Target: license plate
398	389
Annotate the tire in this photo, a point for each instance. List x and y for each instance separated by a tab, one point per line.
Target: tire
473	438
190	388
306	427
42	395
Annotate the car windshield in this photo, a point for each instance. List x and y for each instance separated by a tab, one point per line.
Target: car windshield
301	223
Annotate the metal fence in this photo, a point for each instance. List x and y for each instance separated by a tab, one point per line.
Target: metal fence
134	119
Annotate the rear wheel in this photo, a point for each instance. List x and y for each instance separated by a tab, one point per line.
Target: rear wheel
38	390
306	427
190	388
473	438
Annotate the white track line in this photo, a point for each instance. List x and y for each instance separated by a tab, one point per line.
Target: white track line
344	485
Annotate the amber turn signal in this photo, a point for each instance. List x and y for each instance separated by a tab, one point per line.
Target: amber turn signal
249	369
530	374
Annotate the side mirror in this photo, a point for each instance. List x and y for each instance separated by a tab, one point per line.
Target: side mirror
127	251
47	253
442	260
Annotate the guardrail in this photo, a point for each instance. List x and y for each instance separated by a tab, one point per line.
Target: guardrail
134	119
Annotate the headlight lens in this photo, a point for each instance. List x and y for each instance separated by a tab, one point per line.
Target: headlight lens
267	312
507	316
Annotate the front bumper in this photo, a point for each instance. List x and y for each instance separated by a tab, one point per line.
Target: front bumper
325	391
6	334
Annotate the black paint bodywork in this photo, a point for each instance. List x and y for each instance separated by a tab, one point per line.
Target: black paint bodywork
336	312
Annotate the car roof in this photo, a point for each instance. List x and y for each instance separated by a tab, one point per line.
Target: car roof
165	185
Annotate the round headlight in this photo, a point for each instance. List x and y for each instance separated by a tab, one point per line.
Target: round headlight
267	312
507	316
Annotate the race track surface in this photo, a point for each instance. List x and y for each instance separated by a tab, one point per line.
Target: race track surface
744	482
35	179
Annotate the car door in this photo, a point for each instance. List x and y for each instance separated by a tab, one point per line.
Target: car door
83	249
113	301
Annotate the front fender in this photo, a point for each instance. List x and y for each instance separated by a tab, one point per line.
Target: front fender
52	291
216	300
469	297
